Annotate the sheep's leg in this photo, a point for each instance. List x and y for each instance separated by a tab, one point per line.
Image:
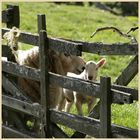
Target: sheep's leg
79	108
29	89
78	102
90	105
68	106
69	98
61	103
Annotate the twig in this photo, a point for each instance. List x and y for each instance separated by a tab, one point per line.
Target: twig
110	28
132	30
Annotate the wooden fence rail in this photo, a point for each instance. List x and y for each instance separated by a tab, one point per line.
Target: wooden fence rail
34	74
70	120
107	49
76	48
89	126
132	91
13	103
13	133
128	73
13	89
86	87
54	43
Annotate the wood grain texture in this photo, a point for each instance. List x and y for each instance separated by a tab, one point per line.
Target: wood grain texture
19	105
89	126
83	86
105	107
54	43
8	132
128	73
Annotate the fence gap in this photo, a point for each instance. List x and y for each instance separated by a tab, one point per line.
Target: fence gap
44	77
105	107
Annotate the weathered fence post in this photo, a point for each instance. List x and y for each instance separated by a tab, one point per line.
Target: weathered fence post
13	16
41	22
105	107
44	77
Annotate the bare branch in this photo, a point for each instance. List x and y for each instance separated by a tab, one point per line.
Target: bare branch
133	40
111	28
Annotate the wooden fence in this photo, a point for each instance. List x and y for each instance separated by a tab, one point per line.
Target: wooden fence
49	118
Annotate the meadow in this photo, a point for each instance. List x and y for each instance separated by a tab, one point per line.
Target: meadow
78	23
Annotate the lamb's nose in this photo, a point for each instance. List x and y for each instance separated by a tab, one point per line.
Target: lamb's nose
90	77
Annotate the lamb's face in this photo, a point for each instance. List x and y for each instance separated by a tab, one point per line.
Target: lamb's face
91	71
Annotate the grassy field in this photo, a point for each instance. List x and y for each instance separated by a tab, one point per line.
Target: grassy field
78	23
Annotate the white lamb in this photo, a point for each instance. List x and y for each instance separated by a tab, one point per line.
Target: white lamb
90	73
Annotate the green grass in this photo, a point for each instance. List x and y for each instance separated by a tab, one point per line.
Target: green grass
125	117
78	23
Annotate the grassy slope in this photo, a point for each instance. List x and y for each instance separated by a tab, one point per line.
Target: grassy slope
78	23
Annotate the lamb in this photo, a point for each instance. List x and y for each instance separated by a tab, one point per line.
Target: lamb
90	73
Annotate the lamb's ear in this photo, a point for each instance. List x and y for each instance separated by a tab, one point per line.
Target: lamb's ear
101	62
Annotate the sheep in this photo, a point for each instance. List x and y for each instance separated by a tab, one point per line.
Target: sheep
90	73
59	63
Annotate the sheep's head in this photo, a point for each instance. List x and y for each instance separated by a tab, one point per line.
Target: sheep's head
72	63
91	69
78	64
12	38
